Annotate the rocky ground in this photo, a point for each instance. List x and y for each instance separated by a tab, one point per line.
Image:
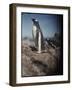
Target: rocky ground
48	62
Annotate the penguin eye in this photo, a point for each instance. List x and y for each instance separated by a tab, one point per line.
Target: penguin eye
36	20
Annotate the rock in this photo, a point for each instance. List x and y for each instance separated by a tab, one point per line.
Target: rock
45	63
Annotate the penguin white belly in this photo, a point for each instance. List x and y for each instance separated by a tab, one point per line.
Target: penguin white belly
34	31
39	43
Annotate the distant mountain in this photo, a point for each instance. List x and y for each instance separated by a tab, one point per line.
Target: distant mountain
27	40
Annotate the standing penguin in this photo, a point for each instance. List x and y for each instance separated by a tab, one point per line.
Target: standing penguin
37	35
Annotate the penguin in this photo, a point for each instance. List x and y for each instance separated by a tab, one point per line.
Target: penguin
37	35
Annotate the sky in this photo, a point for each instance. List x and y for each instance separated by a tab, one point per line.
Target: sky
49	24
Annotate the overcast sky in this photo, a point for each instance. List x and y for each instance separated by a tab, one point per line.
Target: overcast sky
49	23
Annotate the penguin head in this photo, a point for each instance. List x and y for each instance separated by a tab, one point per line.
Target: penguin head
34	20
